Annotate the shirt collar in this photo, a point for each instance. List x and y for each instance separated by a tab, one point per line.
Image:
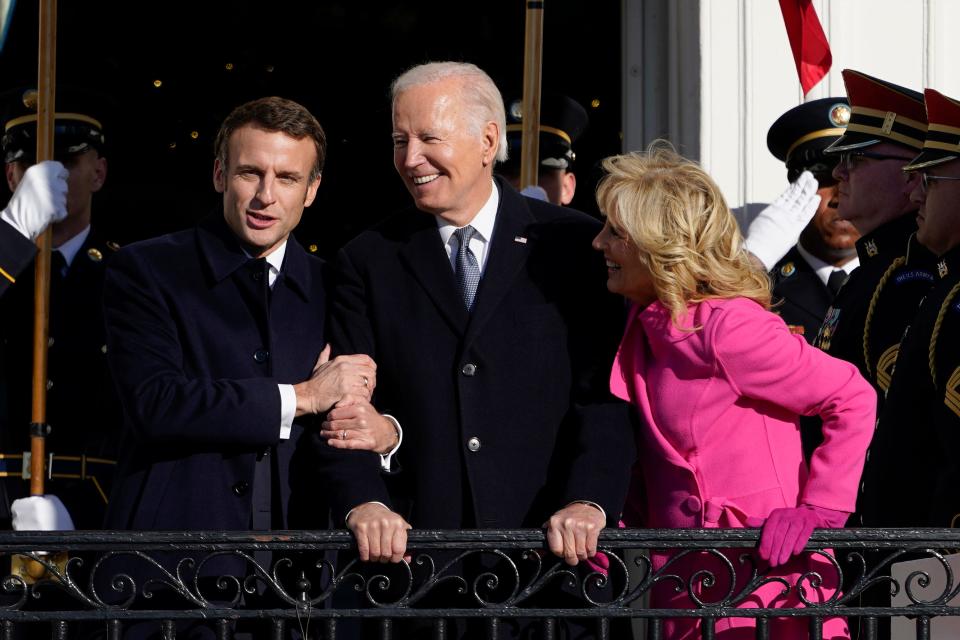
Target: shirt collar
71	247
482	222
274	259
824	269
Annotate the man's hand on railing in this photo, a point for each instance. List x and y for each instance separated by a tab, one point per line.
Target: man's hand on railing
40	513
573	531
381	534
786	531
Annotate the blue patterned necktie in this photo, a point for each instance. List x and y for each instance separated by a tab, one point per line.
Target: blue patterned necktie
468	271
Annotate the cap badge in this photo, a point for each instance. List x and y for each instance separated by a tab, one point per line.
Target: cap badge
871	247
942	268
787	270
839	115
94	254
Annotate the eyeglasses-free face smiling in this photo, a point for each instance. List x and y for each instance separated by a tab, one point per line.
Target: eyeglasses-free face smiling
627	275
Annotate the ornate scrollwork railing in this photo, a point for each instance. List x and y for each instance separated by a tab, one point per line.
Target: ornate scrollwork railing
286	580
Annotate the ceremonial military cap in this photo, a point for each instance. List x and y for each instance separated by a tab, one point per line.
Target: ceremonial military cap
799	136
881	111
942	143
562	120
77	124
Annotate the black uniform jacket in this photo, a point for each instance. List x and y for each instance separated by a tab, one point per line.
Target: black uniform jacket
801	297
873	308
82	408
16	252
913	470
506	411
198	343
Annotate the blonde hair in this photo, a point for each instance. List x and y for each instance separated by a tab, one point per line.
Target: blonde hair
682	228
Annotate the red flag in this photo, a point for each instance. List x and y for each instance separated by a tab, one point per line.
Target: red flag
811	51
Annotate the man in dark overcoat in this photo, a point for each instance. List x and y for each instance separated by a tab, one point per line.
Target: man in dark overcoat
216	339
493	334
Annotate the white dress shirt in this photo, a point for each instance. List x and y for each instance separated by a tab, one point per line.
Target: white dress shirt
823	269
483	223
71	247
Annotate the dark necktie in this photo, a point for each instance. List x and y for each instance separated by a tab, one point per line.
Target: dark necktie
468	271
58	267
836	280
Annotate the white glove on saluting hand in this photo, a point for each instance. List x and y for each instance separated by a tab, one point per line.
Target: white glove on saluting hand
40	513
40	199
772	233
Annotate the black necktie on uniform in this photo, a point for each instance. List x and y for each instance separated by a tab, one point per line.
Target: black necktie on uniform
836	280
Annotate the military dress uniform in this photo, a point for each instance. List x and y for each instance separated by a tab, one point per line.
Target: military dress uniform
16	252
912	473
82	409
866	321
801	296
914	453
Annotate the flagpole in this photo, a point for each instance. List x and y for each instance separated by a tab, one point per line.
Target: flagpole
532	74
46	88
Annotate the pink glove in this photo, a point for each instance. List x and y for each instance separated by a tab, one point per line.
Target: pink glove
599	563
786	531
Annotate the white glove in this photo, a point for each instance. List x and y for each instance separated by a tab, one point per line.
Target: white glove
777	228
40	199
40	513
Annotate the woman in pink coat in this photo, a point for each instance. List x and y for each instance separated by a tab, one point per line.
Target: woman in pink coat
719	382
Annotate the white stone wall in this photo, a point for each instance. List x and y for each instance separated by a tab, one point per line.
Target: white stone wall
728	73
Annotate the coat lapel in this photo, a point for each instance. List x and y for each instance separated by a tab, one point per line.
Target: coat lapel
508	255
425	257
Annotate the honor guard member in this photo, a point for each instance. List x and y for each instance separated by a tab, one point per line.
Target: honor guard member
914	451
806	280
562	121
41	198
81	408
866	321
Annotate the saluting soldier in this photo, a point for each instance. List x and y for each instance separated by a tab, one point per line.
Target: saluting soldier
866	321
81	406
806	280
914	452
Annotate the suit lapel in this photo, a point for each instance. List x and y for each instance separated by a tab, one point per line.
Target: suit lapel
424	255
507	256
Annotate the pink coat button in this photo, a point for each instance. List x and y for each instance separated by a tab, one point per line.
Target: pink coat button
693	504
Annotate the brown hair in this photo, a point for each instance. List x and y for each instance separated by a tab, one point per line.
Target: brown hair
274	114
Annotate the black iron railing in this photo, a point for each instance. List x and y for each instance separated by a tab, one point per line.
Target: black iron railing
291	584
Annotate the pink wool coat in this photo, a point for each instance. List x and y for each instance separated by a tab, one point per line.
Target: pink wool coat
720	441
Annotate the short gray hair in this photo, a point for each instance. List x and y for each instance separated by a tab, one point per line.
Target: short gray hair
481	97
